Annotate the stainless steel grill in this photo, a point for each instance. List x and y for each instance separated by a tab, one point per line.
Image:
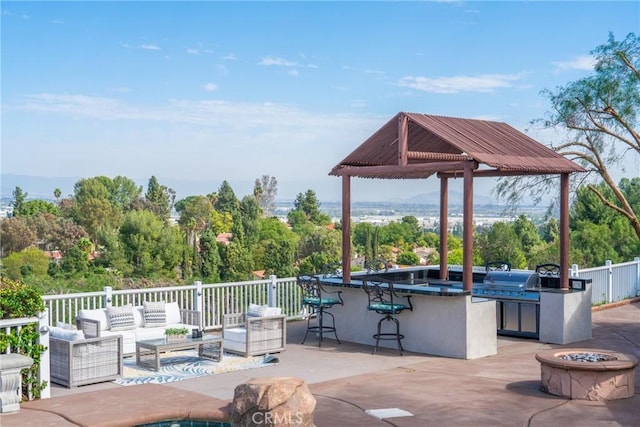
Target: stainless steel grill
517	295
511	285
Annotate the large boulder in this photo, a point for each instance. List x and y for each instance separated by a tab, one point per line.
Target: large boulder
275	401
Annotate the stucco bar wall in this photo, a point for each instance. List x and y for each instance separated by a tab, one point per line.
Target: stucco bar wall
565	317
450	326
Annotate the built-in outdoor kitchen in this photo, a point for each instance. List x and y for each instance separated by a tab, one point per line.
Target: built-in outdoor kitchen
448	321
458	312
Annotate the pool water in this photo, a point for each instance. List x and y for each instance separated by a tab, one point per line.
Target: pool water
186	423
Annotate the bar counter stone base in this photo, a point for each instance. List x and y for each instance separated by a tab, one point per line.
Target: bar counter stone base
461	326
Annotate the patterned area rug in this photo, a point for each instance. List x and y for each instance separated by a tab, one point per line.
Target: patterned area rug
182	365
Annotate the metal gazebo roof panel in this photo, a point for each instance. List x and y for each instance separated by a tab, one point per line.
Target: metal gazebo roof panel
494	144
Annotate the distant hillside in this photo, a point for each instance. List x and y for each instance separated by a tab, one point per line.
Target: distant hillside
36	187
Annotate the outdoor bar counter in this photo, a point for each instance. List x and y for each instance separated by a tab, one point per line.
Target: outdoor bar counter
445	321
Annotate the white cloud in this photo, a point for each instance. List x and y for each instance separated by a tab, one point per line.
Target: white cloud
373	72
457	84
142	46
293	72
275	60
56	22
210	87
272	139
192	51
583	62
230	57
150	47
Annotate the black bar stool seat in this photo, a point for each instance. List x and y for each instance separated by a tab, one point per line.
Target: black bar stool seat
383	300
319	301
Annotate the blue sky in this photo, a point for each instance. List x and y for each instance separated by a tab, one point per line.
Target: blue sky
212	91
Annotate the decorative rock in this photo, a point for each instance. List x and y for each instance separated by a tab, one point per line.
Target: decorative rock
11	380
276	401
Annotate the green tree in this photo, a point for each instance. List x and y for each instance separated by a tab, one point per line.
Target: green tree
599	114
527	232
408	258
124	192
19	198
308	205
16	235
236	262
321	247
152	249
159	199
75	261
57	193
599	233
265	191
30	260
210	257
34	207
249	216
503	244
92	205
274	235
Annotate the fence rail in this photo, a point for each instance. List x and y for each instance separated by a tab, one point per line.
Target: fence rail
610	283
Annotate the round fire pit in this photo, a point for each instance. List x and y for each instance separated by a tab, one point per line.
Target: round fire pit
588	374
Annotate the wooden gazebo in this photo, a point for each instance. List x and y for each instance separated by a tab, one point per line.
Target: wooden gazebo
411	146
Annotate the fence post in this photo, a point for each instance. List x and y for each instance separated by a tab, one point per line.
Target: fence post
574	270
608	264
44	370
637	261
272	295
108	296
198	303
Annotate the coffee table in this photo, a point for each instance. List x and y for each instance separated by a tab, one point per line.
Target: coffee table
148	351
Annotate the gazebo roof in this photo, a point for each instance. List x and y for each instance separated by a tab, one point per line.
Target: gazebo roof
444	144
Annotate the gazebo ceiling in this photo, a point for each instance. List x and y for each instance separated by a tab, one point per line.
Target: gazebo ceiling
445	144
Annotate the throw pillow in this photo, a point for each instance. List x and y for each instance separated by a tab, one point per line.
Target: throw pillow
121	318
256	310
155	314
173	313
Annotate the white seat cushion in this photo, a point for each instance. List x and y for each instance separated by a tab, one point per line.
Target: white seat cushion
99	314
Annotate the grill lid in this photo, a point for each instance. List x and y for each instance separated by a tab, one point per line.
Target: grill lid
520	280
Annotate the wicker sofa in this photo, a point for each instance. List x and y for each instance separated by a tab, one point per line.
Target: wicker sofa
98	323
75	360
261	330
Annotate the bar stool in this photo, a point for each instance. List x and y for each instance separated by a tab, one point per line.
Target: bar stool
383	300
319	300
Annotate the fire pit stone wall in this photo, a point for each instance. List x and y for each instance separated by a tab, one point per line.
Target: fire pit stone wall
588	374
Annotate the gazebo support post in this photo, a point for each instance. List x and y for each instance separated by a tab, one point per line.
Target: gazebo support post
346	228
564	231
467	228
444	226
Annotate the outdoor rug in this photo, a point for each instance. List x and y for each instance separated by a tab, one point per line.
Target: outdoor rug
183	365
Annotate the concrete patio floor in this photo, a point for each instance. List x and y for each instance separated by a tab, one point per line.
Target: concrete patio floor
346	380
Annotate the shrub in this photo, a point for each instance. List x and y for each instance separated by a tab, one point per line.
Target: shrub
18	300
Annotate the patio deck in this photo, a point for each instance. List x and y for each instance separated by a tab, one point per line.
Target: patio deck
500	390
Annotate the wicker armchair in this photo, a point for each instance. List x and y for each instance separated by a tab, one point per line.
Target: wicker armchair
253	336
85	361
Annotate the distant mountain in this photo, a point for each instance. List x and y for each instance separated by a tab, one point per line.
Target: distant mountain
36	187
39	187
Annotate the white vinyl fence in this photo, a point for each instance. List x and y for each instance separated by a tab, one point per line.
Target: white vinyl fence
612	282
